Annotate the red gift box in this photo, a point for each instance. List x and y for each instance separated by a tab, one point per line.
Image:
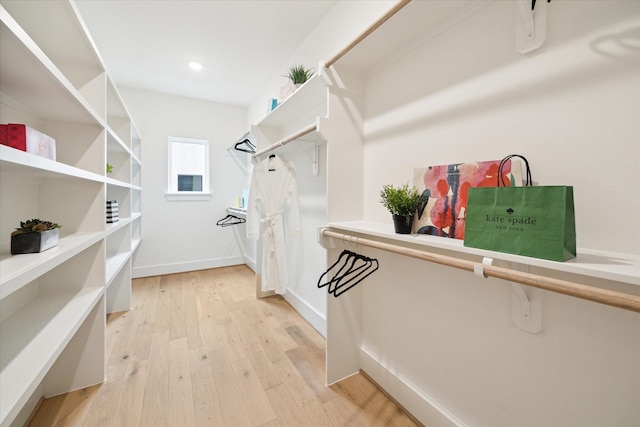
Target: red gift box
4	134
27	139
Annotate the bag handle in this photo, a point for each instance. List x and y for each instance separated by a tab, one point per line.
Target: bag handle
528	181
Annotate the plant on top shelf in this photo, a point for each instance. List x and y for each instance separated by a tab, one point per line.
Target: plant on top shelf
402	202
298	74
33	236
109	168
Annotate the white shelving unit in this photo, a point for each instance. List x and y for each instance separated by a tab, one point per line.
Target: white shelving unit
53	304
609	266
304	107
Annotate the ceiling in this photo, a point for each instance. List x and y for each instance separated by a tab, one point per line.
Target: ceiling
241	44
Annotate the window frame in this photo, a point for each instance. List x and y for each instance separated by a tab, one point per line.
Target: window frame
172	193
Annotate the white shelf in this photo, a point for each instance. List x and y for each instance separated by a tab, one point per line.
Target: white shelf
135	244
30	77
609	266
52	78
237	211
32	340
114	265
113	227
17	161
311	95
118	183
115	143
18	270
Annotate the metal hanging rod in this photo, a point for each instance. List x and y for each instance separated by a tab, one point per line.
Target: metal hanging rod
591	293
367	32
288	139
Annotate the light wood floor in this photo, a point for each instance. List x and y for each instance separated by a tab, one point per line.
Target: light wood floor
198	349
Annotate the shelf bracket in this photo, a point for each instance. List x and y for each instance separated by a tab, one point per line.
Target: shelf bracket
526	305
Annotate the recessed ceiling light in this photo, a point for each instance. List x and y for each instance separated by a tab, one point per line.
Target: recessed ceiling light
195	65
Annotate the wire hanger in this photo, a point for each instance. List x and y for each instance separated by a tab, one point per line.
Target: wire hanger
533	4
272	168
352	268
230	220
245	145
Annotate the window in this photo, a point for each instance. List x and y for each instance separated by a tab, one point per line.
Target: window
188	169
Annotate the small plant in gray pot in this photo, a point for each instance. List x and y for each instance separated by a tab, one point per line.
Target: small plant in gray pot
402	202
34	236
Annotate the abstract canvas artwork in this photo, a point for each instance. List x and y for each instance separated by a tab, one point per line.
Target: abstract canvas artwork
445	189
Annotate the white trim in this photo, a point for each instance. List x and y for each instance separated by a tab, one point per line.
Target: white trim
308	313
183	267
418	403
187	196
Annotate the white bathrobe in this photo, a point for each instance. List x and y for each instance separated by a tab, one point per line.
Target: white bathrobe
273	195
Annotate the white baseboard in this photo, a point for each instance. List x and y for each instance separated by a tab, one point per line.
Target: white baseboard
182	267
422	406
250	263
308	313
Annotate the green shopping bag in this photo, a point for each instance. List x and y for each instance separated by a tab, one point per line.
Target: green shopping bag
532	221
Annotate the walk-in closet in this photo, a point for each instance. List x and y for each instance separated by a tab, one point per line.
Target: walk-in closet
252	273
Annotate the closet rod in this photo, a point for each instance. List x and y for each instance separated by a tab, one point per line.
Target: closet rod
288	139
367	32
603	296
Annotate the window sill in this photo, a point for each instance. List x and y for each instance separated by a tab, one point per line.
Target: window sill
188	196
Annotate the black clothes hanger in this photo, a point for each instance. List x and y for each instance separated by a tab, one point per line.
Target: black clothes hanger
350	269
355	275
533	4
272	169
246	146
230	220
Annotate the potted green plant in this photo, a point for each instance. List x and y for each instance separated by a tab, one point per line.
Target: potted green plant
34	236
298	74
402	202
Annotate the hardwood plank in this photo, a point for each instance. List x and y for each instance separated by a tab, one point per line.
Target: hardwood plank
309	362
191	319
199	349
374	406
180	408
129	411
230	397
288	414
301	394
67	410
177	325
206	404
279	334
254	399
162	317
344	413
156	393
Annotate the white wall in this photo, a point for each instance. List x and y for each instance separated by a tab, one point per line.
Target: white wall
182	235
573	110
344	22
